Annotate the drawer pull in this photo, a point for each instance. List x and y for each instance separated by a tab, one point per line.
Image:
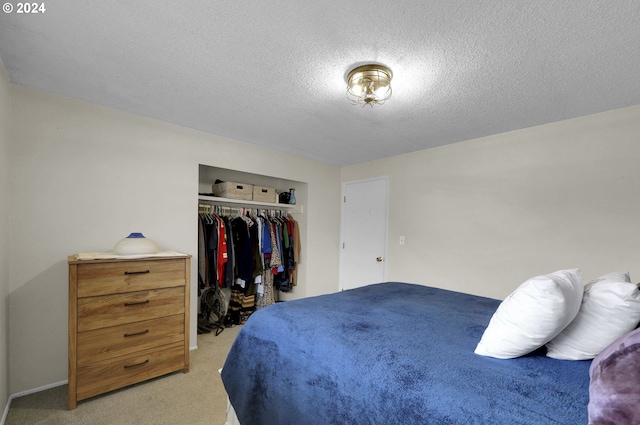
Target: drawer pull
136	303
129	366
138	272
146	331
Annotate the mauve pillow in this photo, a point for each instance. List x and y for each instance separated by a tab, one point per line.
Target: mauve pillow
614	390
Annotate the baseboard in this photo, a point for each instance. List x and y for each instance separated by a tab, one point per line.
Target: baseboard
6	411
27	392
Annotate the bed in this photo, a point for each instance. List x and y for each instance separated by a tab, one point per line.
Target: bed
392	353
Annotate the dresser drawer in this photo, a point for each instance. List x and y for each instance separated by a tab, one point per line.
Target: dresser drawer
118	372
103	344
119	309
127	276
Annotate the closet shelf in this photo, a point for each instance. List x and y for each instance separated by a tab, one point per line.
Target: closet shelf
240	202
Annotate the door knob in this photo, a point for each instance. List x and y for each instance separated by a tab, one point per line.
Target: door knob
379	259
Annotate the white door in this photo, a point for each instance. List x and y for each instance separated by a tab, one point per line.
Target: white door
364	232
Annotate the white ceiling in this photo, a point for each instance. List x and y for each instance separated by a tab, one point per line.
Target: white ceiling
272	72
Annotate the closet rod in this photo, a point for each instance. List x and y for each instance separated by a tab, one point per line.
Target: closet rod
226	210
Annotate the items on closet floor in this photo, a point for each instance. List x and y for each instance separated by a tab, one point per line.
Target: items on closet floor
252	252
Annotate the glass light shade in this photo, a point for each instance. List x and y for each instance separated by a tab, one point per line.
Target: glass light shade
135	244
369	84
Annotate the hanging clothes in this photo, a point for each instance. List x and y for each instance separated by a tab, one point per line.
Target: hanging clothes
253	253
240	246
222	252
296	250
228	269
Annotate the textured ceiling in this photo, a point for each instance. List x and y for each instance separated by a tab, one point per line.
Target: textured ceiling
272	72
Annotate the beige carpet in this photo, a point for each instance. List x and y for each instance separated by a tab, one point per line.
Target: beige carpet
197	397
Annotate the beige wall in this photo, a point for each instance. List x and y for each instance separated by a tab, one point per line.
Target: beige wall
4	235
484	215
85	176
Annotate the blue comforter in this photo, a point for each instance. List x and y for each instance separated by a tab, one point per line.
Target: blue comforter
392	353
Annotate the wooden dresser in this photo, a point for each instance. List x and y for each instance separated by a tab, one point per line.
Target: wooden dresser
128	322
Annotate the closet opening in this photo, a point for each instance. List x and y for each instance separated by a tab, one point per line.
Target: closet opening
250	251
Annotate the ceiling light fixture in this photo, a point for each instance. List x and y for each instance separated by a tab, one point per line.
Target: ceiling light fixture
369	84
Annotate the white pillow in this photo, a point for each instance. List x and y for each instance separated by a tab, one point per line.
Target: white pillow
610	308
613	277
538	310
